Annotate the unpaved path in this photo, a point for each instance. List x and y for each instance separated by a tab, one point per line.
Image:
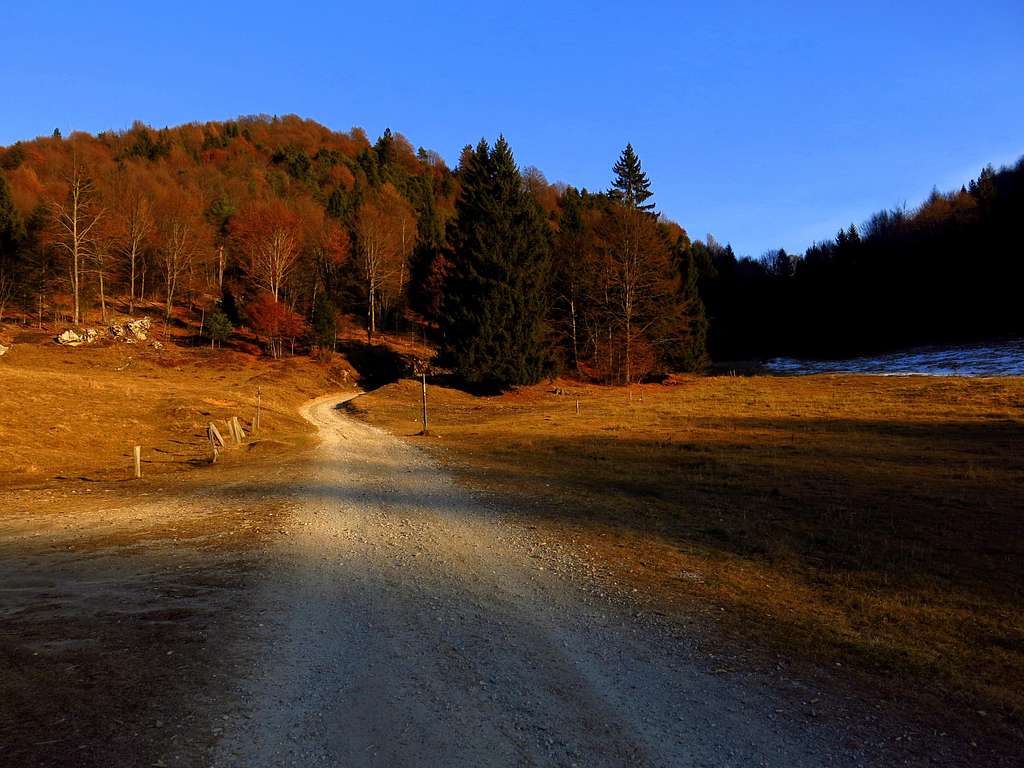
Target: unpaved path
404	623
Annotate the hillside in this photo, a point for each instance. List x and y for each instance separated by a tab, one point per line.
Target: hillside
283	227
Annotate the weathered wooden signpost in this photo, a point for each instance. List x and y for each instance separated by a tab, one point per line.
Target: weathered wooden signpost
421	368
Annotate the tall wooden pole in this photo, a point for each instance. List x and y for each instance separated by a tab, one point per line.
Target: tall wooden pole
424	377
256	424
137	451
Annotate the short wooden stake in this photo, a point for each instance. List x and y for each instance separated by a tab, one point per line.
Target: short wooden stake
577	407
138	460
256	422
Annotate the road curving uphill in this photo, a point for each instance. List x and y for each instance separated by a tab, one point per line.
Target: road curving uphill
404	623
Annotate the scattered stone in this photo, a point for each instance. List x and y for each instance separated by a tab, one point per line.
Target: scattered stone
157	346
70	338
139	328
3	350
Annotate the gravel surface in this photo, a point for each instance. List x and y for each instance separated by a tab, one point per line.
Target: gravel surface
407	623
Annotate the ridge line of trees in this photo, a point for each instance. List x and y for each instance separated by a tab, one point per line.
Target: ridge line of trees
281	225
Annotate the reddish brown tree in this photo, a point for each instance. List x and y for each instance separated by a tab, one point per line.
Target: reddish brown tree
269	237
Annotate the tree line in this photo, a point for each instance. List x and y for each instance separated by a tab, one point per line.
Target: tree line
949	271
283	226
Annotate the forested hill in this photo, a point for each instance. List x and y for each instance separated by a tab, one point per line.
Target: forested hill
949	271
284	226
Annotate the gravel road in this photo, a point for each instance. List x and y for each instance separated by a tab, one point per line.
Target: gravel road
406	622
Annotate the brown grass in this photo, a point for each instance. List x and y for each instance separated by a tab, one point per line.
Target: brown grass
114	590
77	412
868	522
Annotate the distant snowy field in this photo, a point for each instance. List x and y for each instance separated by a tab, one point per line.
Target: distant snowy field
994	359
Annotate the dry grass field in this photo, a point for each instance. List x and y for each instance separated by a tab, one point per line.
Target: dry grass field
870	526
111	588
873	524
77	412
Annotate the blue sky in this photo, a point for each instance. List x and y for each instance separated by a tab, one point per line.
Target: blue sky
767	124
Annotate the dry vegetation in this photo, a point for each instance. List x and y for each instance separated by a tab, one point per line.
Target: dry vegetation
873	523
77	412
110	588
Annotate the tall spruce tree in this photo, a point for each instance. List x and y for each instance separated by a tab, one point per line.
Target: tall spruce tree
496	295
631	185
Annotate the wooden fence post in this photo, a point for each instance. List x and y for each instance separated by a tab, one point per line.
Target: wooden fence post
236	427
215	436
424	402
256	423
137	451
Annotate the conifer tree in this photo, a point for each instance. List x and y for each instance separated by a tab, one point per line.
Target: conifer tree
12	231
497	291
631	185
12	234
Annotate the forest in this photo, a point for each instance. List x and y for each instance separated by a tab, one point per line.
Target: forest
283	227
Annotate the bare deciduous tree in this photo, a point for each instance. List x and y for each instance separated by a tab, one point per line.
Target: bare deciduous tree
386	232
270	237
76	219
136	225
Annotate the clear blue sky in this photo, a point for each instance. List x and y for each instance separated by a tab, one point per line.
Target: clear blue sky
768	124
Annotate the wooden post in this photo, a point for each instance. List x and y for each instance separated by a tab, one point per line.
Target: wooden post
577	406
138	460
237	429
256	423
424	375
214	434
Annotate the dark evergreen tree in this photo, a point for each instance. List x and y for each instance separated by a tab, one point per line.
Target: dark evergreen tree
325	323
631	185
229	306
12	230
497	291
12	236
683	331
219	327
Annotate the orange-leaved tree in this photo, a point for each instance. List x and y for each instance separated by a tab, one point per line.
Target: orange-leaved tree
269	237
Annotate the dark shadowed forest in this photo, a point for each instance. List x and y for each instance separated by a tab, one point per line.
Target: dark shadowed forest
285	227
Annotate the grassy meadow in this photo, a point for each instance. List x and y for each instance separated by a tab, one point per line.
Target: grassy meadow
872	523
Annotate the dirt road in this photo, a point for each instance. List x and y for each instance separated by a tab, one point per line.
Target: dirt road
405	622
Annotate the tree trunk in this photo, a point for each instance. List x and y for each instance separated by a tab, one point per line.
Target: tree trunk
131	286
371	325
575	348
103	298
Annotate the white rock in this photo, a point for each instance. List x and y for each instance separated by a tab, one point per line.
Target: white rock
70	338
